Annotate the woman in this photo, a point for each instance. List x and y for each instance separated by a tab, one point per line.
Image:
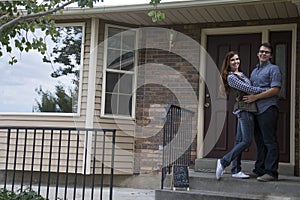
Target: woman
234	79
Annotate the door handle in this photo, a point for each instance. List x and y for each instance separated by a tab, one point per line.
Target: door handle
206	105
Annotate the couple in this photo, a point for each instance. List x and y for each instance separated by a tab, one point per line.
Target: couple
257	113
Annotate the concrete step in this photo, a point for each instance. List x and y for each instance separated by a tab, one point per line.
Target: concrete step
203	185
209	164
209	195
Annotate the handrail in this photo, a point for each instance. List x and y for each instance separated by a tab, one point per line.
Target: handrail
177	138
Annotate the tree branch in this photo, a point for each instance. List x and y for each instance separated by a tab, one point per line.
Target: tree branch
32	16
4	16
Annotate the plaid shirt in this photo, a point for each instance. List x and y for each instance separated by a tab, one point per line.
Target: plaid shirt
242	83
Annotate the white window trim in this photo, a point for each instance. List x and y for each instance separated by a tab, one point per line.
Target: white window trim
134	72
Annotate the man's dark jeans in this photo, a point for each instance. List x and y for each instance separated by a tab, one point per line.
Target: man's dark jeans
266	141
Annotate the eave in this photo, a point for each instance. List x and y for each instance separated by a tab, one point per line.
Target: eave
191	12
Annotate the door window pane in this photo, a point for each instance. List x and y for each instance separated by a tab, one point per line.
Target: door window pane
281	61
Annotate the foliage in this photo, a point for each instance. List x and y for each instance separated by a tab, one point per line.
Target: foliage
68	48
156	15
58	102
6	194
27	194
19	19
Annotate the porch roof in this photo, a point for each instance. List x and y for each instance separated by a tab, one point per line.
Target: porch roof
189	12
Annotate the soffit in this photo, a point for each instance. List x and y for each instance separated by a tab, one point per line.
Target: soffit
209	12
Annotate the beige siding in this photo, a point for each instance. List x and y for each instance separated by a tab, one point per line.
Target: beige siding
124	152
21	150
43	155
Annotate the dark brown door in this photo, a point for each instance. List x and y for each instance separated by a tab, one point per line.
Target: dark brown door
282	44
247	45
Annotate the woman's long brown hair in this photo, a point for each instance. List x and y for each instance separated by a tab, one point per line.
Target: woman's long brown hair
226	69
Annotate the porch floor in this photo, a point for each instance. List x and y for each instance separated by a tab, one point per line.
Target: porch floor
203	185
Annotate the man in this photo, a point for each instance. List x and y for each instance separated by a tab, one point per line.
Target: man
266	75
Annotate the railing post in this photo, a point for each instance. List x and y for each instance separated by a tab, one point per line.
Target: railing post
112	164
7	157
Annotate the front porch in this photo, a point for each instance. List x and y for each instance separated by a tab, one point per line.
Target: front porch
209	164
204	186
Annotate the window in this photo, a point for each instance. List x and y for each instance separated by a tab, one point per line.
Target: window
281	61
119	72
44	83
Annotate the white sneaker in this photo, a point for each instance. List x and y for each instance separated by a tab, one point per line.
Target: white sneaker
240	175
219	170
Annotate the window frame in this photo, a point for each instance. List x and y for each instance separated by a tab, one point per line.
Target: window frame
105	70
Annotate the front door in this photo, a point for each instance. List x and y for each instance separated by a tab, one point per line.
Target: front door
247	45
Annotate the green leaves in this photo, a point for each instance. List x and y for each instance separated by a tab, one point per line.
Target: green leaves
84	3
154	2
16	25
6	194
12	61
27	194
60	101
155	14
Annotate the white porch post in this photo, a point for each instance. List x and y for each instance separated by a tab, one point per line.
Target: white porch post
90	108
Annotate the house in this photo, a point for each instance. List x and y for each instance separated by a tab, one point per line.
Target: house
132	68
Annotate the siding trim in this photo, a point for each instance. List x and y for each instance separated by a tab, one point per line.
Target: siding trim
90	108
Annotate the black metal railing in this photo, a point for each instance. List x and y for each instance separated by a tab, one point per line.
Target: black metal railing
58	163
177	139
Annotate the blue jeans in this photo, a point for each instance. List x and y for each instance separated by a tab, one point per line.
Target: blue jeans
266	141
236	162
243	140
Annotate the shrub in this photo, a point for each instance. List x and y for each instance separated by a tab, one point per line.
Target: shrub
27	194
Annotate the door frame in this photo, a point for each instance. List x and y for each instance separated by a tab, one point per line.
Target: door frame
264	30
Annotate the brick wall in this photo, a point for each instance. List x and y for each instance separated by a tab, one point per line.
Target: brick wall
163	79
153	97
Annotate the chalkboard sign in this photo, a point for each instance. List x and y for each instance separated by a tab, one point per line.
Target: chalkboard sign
180	177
